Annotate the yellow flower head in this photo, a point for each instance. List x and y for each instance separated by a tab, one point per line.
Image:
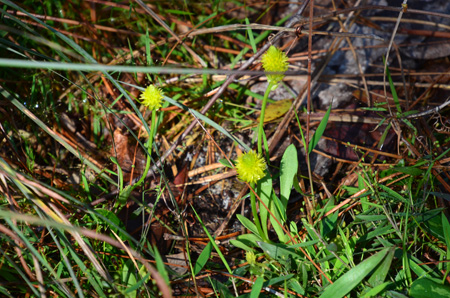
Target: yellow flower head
152	97
250	257
274	60
250	167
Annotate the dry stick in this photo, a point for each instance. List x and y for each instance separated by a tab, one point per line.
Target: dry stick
308	113
373	7
233	27
295	19
429	88
430	111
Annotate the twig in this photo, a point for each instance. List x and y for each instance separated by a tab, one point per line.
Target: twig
430	111
284	29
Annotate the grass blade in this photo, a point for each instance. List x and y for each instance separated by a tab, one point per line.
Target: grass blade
320	130
288	170
257	286
203	258
353	277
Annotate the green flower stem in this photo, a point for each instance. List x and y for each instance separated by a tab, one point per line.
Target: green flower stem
255	214
125	192
149	149
261	117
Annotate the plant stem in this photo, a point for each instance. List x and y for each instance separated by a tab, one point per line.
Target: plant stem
261	117
255	214
149	150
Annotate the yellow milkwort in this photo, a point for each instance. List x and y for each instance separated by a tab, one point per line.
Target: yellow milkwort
250	167
152	97
275	60
250	257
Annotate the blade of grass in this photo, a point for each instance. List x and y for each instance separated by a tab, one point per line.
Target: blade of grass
446	230
257	287
320	130
353	277
203	258
288	170
213	242
392	86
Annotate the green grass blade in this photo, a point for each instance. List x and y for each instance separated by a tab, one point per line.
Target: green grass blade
257	286
247	224
213	242
265	186
391	85
353	278
382	270
66	261
320	130
288	170
160	265
446	229
203	258
251	37
383	136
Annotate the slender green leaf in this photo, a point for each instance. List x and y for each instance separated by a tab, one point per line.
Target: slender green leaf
295	286
160	265
203	258
128	277
275	207
320	130
225	162
446	228
279	252
246	241
409	170
288	170
278	279
211	239
384	135
382	270
251	37
266	187
391	193
257	286
247	224
378	289
392	86
353	278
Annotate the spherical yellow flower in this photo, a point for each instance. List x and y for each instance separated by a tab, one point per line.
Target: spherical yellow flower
250	167
274	60
152	97
250	257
